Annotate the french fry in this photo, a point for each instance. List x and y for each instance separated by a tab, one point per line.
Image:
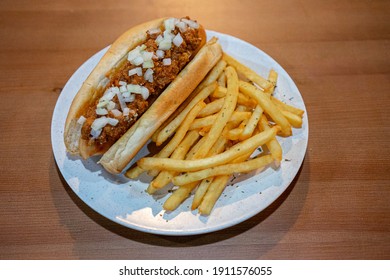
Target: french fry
181	131
234	134
293	119
235	124
215	189
247	72
182	192
217	185
212	108
242	158
200	192
272	78
178	196
251	124
285	107
227	169
210	120
237	150
164	177
170	128
242	108
218	147
155	134
224	115
222	80
134	172
268	106
203	122
220	92
213	75
273	145
204	130
244	100
194	149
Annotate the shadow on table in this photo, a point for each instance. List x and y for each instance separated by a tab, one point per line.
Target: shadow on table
184	241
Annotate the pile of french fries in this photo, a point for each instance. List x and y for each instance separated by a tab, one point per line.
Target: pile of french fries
229	115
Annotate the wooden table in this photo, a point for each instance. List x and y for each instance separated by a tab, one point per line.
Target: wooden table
337	207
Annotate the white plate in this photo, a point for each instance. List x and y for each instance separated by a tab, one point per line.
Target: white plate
126	202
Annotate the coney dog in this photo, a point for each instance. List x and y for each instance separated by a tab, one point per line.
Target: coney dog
139	82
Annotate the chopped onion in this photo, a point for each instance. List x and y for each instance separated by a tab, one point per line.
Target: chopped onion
144	93
133	71
101	111
159	39
122	102
154	30
133	54
137	61
168	34
108	95
134	88
123	89
147	55
112	121
102	102
99	123
95	133
191	23
126	112
129	98
81	120
182	26
125	94
160	53
116	113
148	75
165	44
167	61
115	90
148	64
111	105
178	40
122	83
136	70
169	24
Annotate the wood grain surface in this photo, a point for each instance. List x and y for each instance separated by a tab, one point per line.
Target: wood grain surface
337	52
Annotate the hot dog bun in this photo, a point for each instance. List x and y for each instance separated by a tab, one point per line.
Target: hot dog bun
118	155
